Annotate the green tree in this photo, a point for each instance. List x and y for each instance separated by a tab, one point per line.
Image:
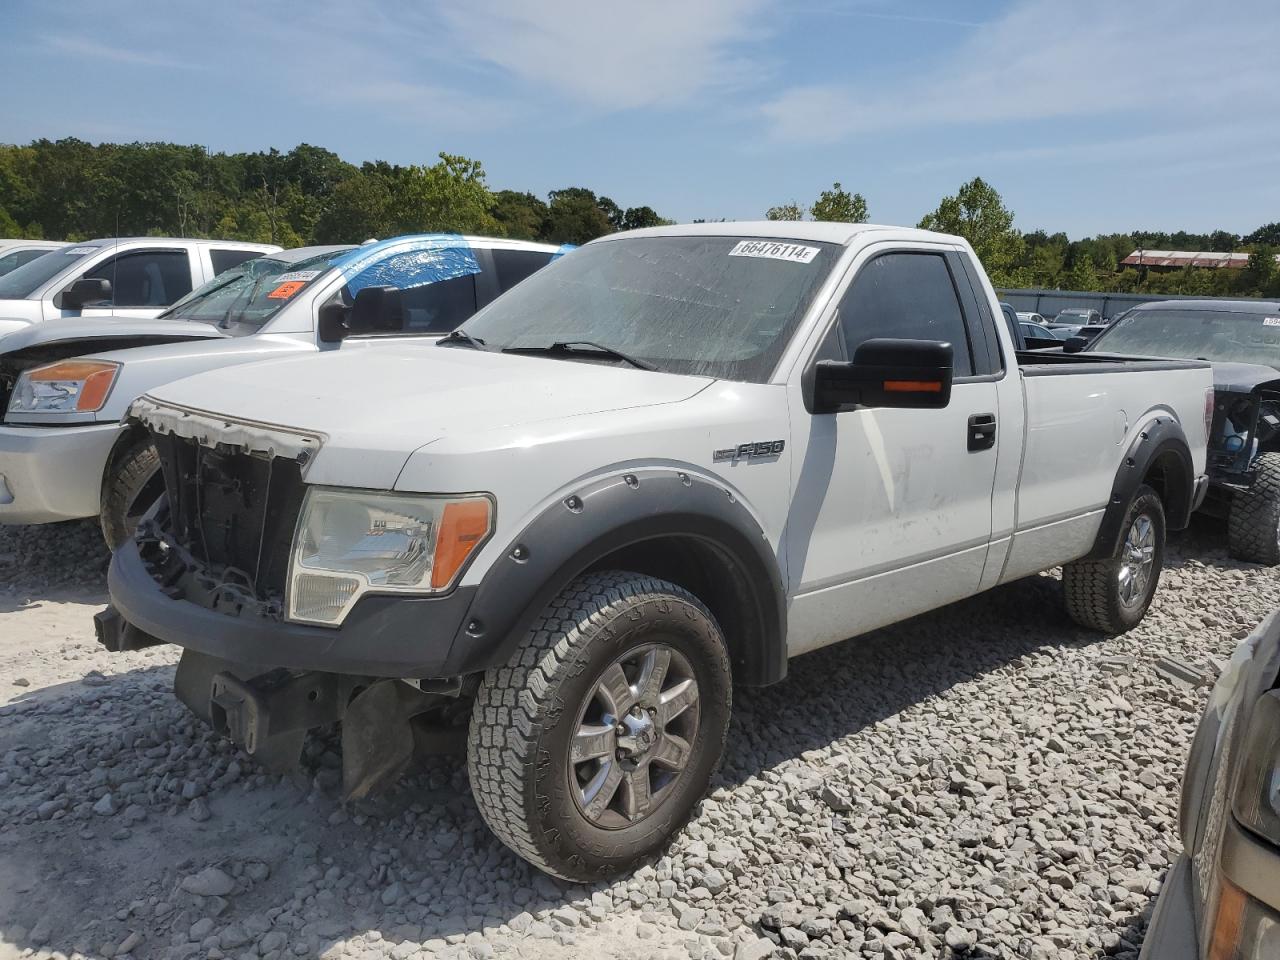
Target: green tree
839	205
448	195
788	211
1259	277
637	218
1082	275
576	216
978	214
1266	234
522	216
360	208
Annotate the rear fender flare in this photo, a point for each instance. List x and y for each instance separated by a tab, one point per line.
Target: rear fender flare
1160	444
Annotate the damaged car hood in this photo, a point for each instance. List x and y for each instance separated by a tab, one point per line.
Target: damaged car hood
104	330
372	408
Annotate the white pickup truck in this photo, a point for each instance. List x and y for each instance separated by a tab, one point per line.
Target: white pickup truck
65	386
668	462
16	253
117	277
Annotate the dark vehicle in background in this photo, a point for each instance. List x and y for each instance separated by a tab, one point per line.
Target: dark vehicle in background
1242	341
1221	898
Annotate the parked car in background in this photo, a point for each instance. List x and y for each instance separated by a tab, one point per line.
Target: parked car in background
1242	341
1221	898
122	277
1078	316
665	464
1026	335
1030	317
64	450
14	253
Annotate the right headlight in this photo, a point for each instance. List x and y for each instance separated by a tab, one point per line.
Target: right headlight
353	542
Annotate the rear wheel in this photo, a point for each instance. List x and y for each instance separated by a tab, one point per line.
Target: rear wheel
1253	525
1113	595
133	486
590	747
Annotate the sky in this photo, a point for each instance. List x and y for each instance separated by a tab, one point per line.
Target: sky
1089	116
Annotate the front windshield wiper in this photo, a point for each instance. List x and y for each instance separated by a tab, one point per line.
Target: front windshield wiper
461	336
567	348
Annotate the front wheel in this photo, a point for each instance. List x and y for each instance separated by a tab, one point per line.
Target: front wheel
131	488
1253	525
591	745
1113	595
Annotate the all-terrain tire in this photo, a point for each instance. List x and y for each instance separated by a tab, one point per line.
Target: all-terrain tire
527	711
132	485
1093	588
1253	524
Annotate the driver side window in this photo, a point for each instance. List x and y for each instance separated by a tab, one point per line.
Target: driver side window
909	296
150	278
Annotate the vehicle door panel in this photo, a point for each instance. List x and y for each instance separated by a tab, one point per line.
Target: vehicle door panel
892	510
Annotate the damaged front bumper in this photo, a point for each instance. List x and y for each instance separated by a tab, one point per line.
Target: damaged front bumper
267	683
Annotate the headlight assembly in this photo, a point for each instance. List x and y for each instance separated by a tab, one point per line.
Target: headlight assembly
1257	796
69	386
352	542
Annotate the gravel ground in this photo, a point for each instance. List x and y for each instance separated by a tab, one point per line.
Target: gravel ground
988	780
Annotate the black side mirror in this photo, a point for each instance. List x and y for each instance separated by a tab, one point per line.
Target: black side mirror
83	292
331	322
376	310
1075	344
886	373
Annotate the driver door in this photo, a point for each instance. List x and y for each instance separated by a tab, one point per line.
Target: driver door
892	509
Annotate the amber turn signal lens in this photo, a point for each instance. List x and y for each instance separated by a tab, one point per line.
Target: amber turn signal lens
1228	922
913	386
96	376
463	527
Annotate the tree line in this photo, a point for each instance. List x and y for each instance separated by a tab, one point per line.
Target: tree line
1051	260
72	190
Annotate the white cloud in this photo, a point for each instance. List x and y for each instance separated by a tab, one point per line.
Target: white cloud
609	55
1186	60
82	47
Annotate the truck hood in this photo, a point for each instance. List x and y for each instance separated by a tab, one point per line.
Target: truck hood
371	407
18	315
1242	377
96	331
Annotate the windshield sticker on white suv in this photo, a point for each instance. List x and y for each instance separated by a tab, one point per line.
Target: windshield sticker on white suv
303	275
771	250
1271	321
79	251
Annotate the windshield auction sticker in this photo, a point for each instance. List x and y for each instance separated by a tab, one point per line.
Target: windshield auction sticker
286	290
772	250
303	275
1271	321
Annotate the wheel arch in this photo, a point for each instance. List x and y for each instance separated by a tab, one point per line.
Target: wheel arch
128	438
674	525
1158	457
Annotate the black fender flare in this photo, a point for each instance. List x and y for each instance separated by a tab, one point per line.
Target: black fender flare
606	515
1163	442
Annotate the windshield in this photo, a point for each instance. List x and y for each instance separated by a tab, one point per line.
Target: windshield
1219	335
30	277
244	298
712	306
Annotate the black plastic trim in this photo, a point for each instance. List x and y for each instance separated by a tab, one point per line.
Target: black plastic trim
1162	436
614	513
382	636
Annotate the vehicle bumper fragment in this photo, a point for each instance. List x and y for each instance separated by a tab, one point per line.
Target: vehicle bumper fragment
53	473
